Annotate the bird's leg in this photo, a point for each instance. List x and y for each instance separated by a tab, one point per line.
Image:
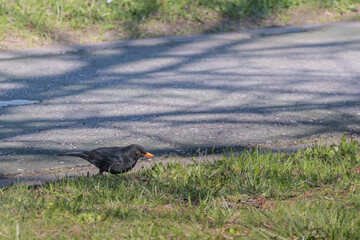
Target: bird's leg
101	172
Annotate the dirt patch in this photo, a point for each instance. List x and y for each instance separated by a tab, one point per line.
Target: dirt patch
308	15
14	40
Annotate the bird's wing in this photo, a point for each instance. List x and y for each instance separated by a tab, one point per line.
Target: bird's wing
94	155
111	159
105	151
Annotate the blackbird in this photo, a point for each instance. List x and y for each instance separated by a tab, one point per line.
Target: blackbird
114	160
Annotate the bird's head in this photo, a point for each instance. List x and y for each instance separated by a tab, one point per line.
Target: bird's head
140	151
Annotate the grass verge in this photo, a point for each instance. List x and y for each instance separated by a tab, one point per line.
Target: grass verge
27	23
311	194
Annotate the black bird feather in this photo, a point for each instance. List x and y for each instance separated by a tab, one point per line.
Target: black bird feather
114	160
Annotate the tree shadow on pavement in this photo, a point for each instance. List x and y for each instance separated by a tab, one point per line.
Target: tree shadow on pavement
213	90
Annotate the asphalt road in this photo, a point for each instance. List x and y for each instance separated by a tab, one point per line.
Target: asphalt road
173	94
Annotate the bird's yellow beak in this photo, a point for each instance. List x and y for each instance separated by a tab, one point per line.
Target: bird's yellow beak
149	155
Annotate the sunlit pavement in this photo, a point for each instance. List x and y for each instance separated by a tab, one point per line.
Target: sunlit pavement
175	94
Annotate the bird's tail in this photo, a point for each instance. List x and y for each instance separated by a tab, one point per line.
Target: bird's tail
74	154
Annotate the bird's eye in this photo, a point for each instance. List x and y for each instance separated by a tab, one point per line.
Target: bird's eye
138	153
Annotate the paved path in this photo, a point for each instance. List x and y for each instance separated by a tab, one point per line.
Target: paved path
167	94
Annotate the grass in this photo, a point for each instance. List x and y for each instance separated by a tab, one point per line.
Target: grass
69	21
311	194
